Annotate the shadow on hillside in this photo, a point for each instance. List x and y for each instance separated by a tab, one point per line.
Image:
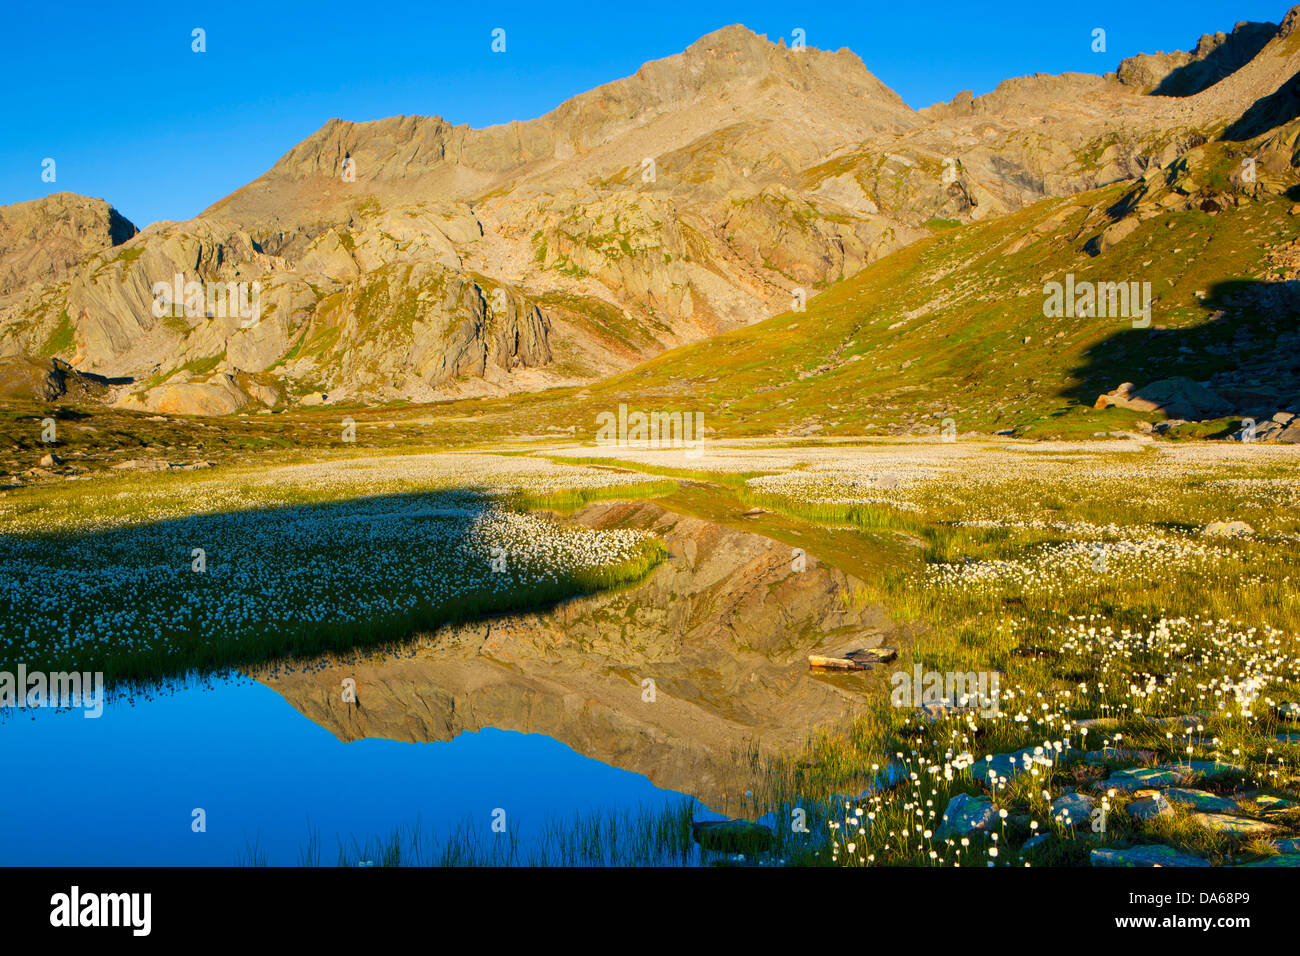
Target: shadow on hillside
1267	113
1240	335
207	592
1242	46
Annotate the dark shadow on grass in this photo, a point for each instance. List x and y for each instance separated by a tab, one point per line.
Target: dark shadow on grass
1238	336
205	593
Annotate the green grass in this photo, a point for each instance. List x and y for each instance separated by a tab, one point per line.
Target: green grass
62	337
1019	633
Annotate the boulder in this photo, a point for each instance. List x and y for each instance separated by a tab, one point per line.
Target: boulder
1034	842
1168	775
1176	397
1112	235
220	395
1267	431
1200	800
966	814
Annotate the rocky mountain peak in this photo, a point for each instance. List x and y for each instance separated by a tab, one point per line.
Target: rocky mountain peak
43	239
1186	73
411	259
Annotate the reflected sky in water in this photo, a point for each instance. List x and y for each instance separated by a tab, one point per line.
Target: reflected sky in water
120	790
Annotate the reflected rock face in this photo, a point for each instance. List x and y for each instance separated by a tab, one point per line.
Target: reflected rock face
722	628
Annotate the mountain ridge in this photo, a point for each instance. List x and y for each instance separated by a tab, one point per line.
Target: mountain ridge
704	192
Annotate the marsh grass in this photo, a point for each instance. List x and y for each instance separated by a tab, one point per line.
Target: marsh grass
567	501
602	837
734	480
1069	643
102	581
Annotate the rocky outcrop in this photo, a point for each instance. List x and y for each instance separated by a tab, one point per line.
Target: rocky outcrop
44	240
1216	56
1175	397
24	378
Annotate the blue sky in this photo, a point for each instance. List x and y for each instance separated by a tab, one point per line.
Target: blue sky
114	94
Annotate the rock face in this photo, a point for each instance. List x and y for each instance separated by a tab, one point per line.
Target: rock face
721	629
411	259
44	240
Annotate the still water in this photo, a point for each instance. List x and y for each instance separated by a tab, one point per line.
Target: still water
121	789
633	701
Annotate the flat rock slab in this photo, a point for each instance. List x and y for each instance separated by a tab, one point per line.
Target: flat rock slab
966	814
873	655
1276	804
1168	775
1234	826
1181	722
1098	723
1072	808
1282	859
1150	808
859	659
1154	855
818	662
1200	800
